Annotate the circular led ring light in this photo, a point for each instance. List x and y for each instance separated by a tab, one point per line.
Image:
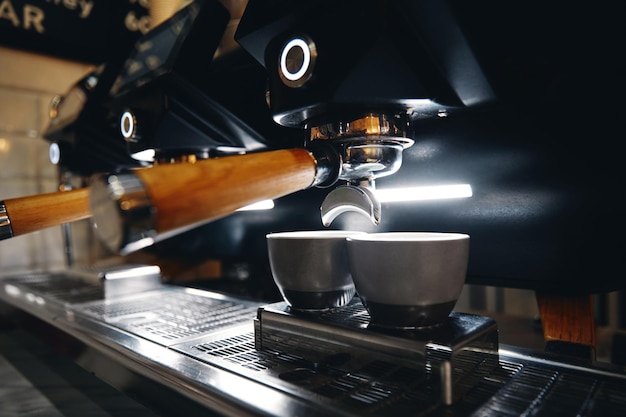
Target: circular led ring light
128	125
309	54
54	153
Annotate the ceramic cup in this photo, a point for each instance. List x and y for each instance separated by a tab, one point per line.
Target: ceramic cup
310	268
408	279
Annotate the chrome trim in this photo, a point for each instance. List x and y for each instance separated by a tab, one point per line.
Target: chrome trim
540	358
122	213
220	390
6	231
327	164
374	127
350	198
369	147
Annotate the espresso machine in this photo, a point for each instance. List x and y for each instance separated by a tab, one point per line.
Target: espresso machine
322	107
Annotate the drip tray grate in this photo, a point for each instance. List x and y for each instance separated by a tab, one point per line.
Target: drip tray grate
60	287
343	372
167	316
342	381
453	355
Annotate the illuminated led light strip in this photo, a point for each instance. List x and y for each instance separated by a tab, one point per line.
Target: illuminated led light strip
144	156
393	195
434	192
261	205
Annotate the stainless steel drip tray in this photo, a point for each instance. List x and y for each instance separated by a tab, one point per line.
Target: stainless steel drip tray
172	314
353	382
350	326
163	314
452	356
88	283
330	363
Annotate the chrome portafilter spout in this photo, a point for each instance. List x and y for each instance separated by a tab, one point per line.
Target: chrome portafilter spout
370	147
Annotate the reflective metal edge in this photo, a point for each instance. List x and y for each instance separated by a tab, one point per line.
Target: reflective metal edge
220	390
445	354
6	231
542	358
122	213
224	391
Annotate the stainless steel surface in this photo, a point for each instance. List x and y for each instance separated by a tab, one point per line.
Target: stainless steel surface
119	280
451	357
220	368
6	231
35	380
122	213
370	147
380	126
347	198
327	165
164	315
366	160
65	184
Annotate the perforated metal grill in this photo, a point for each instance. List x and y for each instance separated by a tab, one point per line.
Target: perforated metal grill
353	315
167	316
60	287
339	378
381	388
554	392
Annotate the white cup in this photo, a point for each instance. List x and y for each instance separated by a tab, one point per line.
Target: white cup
408	279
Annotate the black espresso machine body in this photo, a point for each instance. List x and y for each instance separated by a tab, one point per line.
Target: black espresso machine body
519	101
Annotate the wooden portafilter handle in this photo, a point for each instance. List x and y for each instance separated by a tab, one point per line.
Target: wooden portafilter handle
137	208
22	215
